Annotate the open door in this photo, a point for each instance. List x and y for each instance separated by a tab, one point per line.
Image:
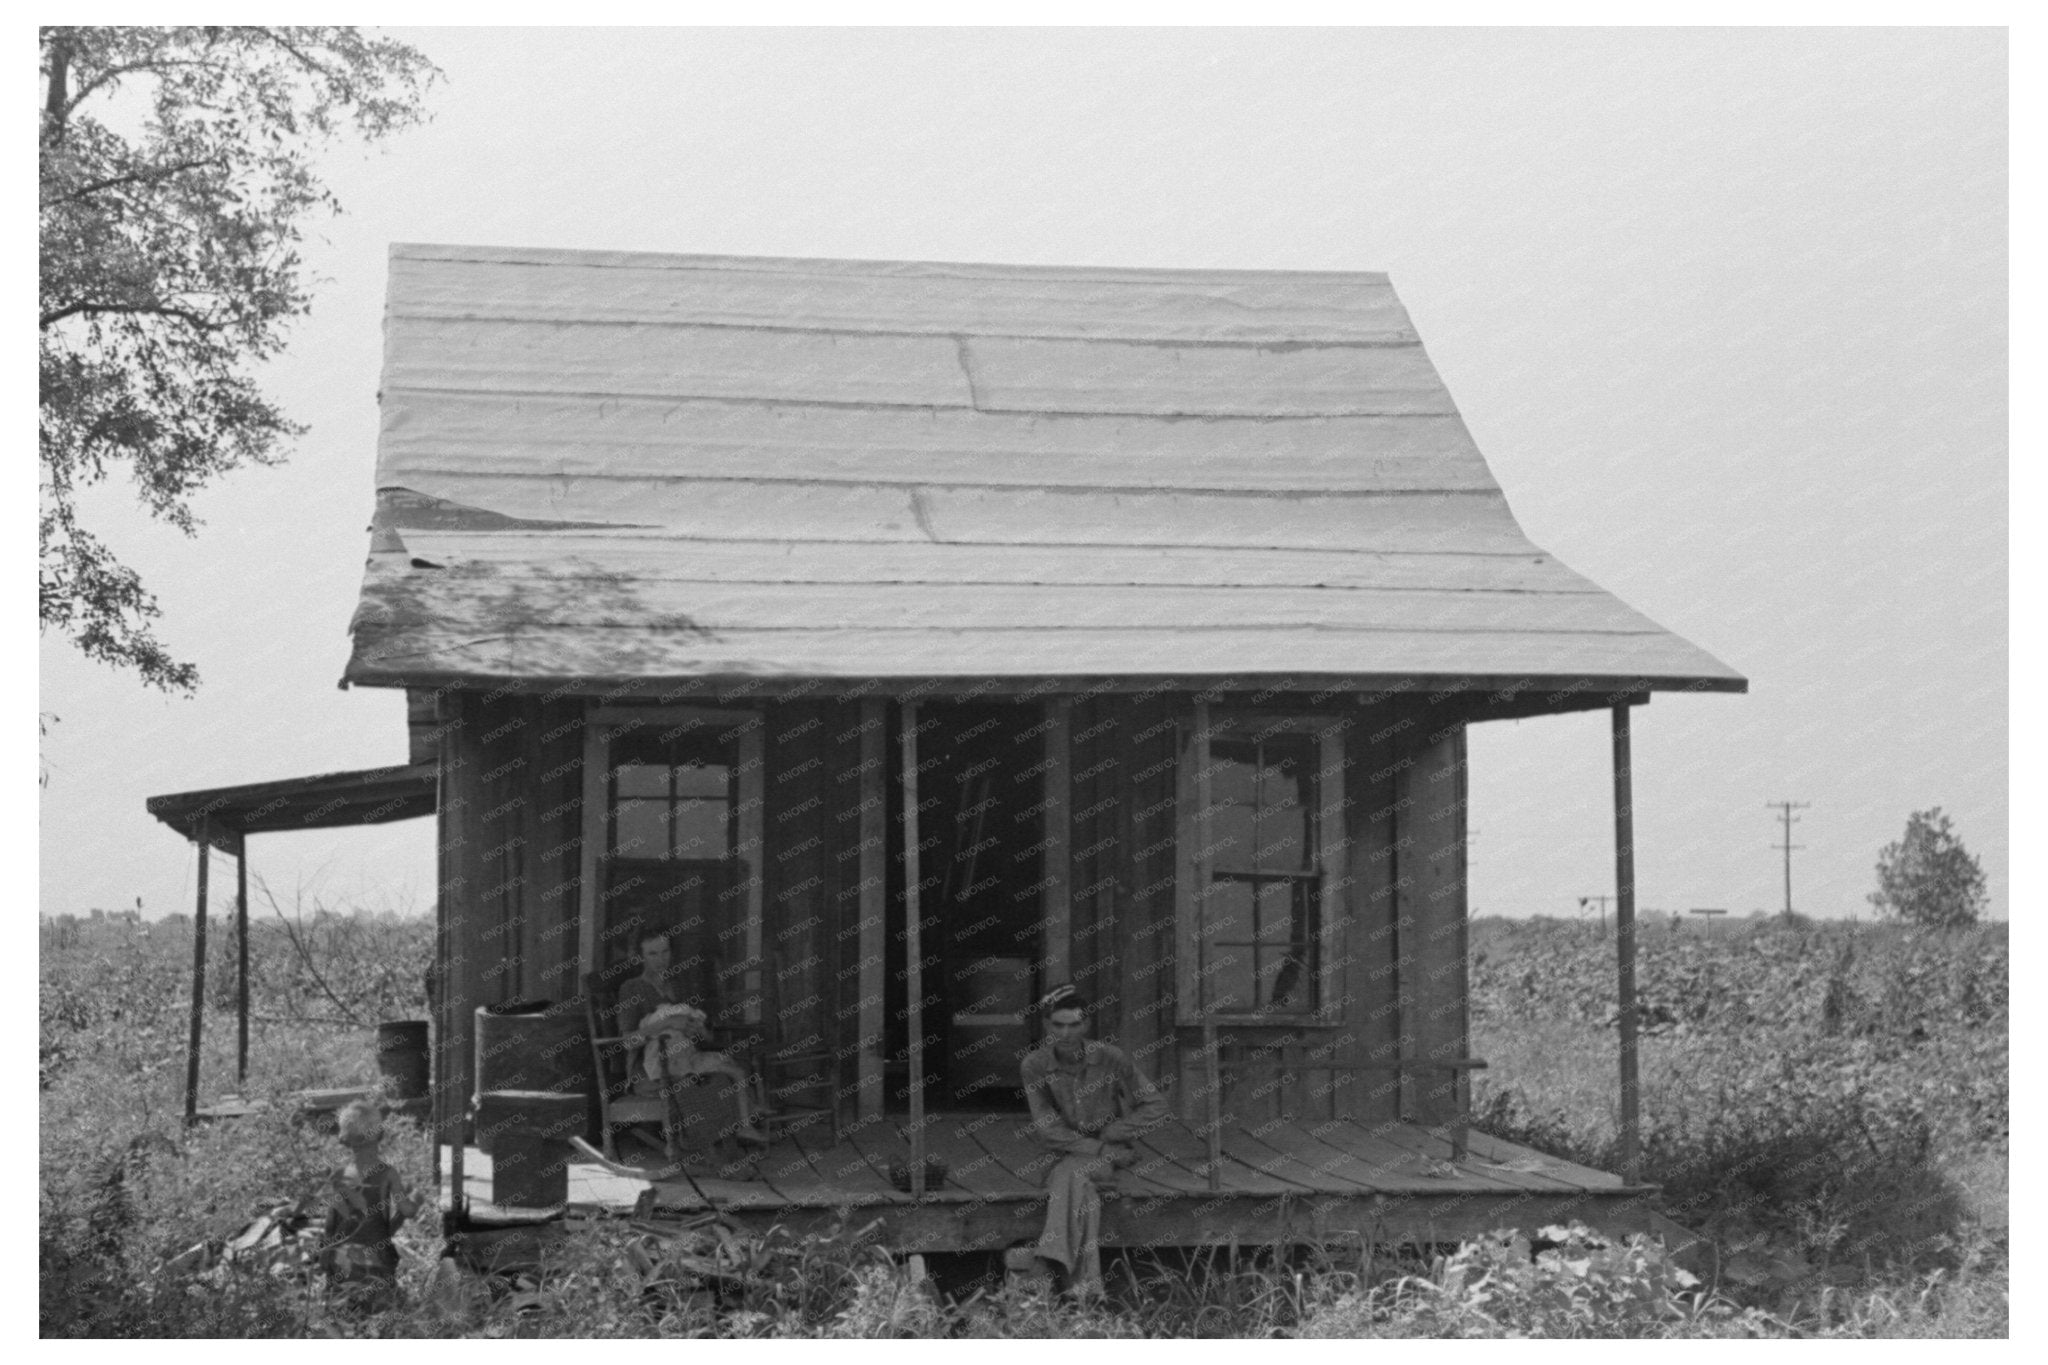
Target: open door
982	861
672	844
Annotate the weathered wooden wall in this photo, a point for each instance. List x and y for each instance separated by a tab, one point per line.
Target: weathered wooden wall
511	830
510	850
1400	964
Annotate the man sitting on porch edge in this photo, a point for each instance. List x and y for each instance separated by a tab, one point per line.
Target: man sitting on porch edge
1089	1103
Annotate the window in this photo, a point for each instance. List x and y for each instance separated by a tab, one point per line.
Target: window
1261	835
672	798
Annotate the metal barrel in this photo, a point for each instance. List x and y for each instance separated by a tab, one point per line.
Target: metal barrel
532	1045
402	1059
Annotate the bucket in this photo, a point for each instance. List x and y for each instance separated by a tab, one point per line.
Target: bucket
532	1045
402	1059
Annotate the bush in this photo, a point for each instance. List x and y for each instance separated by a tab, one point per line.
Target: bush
1928	877
1807	1104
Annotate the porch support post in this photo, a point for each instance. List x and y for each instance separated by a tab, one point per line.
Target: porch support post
200	838
241	962
913	949
874	900
1625	942
1055	797
453	1037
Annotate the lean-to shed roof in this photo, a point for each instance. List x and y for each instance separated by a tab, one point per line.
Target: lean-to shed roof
634	470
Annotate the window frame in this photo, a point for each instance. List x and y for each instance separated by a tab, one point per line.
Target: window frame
1195	868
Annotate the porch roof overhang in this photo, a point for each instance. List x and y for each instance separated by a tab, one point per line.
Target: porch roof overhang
673	475
223	816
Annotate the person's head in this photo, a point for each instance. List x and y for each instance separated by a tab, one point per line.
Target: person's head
361	1122
1065	1012
654	951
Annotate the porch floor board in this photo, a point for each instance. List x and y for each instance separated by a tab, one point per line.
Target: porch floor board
1190	1152
1324	1178
1330	1163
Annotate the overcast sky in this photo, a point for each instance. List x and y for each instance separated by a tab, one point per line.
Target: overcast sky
1724	309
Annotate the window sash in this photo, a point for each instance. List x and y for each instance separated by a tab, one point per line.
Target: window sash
1199	869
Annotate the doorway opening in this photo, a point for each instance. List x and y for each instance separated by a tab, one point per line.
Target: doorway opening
982	848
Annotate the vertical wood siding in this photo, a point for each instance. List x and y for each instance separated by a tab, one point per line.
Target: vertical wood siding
1430	902
511	847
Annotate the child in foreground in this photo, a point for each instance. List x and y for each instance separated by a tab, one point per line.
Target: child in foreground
367	1202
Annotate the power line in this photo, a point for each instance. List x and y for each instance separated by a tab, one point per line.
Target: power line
1785	809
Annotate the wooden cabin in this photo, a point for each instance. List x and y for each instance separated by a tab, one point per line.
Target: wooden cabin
910	638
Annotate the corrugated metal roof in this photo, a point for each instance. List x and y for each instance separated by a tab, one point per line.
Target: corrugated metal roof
638	470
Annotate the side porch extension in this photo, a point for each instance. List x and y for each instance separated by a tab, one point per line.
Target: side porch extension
1287	1181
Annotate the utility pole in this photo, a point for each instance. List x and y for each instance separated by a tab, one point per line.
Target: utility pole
1785	809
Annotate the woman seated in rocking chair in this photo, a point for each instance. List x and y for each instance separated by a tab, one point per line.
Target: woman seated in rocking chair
655	1018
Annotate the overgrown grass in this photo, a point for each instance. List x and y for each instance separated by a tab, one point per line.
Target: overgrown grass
1828	1103
1831	1107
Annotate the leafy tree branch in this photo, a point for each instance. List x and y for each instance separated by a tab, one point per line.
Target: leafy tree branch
176	173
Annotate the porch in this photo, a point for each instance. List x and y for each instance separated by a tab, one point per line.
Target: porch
1289	1180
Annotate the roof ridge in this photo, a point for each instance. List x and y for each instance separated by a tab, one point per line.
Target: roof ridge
785	265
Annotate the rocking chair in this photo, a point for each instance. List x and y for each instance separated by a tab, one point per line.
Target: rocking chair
695	1114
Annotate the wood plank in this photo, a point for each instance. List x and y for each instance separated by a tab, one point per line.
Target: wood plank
1143	882
1240	1144
1335	1169
1469	522
592	814
509	356
1393	1168
490	602
1187	1150
651	556
877	1144
1021	374
973	1166
1162	1173
553	914
1556	1168
1005	1138
787	1169
723	1192
579	435
942	299
1056	842
1372	1032
1429	1149
985	660
845	1167
751	848
874	816
1190	884
1432	894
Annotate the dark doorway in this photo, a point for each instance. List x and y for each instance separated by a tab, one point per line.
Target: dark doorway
981	831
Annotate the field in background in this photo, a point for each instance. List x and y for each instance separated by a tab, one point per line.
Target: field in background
1827	1100
1830	1102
